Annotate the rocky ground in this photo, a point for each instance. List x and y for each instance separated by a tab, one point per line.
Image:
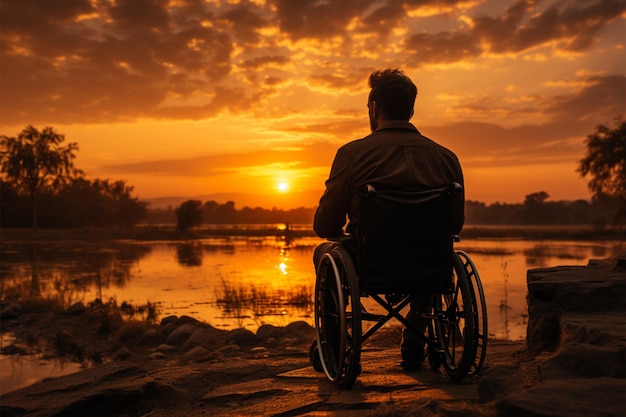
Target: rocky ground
572	364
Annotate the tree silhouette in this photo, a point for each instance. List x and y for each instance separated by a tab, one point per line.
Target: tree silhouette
535	199
35	160
604	164
188	215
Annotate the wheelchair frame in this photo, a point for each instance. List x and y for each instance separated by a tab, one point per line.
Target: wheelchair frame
456	335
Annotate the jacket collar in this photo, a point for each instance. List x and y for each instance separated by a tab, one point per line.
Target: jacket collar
397	124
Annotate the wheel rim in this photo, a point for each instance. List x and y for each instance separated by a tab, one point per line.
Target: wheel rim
480	307
338	322
455	327
329	320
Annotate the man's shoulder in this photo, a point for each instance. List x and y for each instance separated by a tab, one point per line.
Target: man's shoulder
409	138
437	145
354	144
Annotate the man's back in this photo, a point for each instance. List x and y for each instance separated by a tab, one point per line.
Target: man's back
396	156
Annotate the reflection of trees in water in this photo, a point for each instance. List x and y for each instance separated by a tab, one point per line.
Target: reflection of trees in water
538	255
65	272
189	254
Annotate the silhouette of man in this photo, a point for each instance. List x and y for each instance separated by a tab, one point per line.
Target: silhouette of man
394	156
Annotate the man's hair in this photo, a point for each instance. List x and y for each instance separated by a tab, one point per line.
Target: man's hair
394	93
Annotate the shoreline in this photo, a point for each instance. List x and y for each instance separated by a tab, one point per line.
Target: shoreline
168	232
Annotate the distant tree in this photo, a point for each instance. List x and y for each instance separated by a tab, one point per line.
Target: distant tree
535	199
14	208
36	161
188	215
226	213
97	202
130	210
604	165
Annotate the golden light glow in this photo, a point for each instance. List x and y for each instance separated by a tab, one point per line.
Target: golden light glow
235	99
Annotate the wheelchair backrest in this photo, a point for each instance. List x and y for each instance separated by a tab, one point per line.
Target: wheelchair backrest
404	240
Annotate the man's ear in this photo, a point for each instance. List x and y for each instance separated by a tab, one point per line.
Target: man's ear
374	110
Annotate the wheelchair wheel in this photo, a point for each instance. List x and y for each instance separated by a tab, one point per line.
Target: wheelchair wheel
480	307
338	318
454	326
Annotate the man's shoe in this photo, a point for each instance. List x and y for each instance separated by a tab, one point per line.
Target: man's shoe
314	357
411	366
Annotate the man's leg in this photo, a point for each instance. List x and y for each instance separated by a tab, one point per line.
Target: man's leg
413	347
320	250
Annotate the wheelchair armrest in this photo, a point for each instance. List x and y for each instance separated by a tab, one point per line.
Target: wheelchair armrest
347	237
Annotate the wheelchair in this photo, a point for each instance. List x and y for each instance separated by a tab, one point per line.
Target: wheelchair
401	248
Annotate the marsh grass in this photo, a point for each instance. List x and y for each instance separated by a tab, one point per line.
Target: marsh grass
236	300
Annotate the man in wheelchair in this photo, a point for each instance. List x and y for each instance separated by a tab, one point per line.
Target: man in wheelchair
395	156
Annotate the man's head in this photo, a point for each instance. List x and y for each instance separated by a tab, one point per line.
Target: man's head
392	96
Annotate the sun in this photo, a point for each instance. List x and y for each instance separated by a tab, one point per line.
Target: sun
283	186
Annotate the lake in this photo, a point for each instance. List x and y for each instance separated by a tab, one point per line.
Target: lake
232	282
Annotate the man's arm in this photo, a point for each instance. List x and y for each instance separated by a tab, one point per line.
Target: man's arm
458	214
458	205
330	216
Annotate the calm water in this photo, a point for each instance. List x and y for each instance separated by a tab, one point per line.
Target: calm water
246	282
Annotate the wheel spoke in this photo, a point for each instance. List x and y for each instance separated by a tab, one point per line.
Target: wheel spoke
454	329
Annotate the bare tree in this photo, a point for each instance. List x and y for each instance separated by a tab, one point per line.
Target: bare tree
35	160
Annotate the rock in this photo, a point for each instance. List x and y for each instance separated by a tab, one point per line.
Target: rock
165	330
300	330
205	336
259	352
555	293
583	360
188	320
241	337
169	320
578	397
157	356
165	348
149	337
10	311
230	350
180	334
114	389
76	309
289	341
122	353
267	331
196	353
576	334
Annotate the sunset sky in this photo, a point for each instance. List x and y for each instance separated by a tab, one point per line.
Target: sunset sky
199	97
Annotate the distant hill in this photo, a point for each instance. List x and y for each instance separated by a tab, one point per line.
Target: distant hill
285	201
